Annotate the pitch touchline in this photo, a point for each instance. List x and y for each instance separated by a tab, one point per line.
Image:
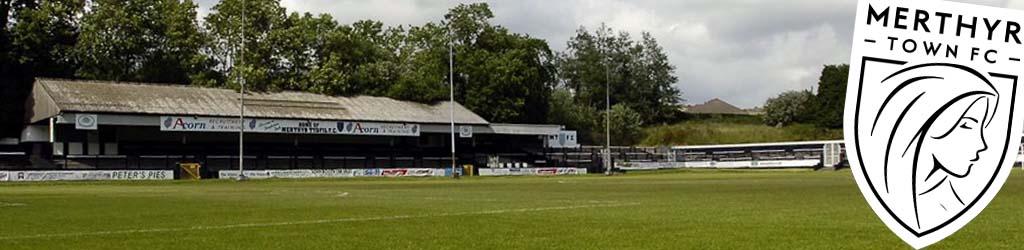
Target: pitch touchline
308	222
5	204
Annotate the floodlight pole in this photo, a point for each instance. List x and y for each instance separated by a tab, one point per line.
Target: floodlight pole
607	119
451	92
241	106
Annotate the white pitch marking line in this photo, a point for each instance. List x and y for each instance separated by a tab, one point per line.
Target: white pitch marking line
308	222
7	204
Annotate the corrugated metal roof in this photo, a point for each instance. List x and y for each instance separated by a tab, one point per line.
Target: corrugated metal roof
525	129
137	98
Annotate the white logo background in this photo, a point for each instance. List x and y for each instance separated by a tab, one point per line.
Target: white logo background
930	117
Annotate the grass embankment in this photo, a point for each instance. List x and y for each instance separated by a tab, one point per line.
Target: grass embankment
730	130
658	210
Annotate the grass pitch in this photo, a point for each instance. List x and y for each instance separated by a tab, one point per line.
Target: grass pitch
661	210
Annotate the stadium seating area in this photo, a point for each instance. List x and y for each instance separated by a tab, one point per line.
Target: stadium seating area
764	155
12	156
748	154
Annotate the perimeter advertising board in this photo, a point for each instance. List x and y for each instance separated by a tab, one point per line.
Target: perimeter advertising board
531	171
84	175
286	126
336	173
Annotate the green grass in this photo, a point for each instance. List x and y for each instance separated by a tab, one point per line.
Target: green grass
706	132
662	210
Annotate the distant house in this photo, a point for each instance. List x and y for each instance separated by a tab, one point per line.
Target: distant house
714	106
755	111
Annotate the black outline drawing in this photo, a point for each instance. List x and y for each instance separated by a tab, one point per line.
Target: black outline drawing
920	137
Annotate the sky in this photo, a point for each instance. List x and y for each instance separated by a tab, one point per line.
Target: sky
741	51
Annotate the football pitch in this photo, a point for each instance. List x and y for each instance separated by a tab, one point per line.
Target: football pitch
656	210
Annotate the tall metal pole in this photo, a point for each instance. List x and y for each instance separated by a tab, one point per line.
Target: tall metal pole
241	106
607	118
451	92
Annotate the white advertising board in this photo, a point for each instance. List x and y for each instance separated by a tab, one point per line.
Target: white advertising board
786	164
81	175
754	164
648	165
700	164
531	171
299	173
733	164
334	173
284	126
417	172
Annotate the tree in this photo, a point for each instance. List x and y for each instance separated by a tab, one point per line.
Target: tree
6	6
626	126
362	59
148	41
262	65
830	101
422	66
9	89
564	110
787	108
638	72
37	39
373	56
44	34
515	72
302	45
491	61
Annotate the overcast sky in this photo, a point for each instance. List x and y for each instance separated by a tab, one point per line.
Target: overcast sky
742	51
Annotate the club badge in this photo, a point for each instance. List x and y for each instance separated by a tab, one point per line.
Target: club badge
931	122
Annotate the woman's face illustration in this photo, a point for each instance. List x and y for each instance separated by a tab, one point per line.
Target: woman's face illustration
966	134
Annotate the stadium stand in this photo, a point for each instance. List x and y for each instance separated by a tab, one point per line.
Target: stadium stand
135	126
809	154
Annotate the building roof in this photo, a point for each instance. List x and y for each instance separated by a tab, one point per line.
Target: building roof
715	106
525	129
54	96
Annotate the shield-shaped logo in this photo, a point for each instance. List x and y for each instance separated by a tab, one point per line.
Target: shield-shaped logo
931	125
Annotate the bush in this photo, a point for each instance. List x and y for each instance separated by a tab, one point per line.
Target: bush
787	108
699	132
564	110
626	125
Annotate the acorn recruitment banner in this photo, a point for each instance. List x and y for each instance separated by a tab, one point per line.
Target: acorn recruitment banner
286	126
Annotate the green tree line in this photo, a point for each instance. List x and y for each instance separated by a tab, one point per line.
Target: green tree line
501	75
823	109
